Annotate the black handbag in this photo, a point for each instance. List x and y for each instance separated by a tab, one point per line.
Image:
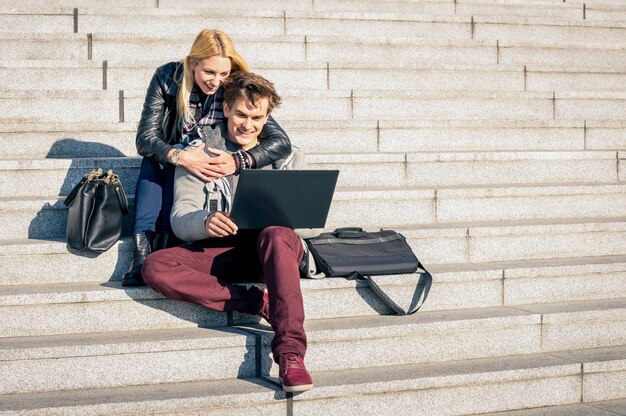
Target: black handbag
357	254
96	207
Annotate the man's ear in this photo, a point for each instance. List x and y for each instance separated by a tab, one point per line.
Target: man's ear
225	109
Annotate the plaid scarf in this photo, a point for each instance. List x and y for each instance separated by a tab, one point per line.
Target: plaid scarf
206	110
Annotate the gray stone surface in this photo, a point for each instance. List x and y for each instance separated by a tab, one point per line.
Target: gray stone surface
590	105
61	106
585	324
545	241
615	406
453	105
538	29
565	52
468	135
566	410
136	360
490	133
503	384
506	168
223	397
566	283
529	203
43	46
366	24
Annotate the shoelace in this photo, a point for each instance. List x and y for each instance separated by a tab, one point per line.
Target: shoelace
293	360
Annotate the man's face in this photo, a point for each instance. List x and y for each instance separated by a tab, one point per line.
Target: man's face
245	121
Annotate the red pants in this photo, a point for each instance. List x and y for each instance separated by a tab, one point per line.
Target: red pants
203	273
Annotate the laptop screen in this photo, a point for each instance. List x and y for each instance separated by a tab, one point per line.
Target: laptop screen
289	198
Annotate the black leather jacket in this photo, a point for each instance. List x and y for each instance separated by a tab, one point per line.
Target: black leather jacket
157	131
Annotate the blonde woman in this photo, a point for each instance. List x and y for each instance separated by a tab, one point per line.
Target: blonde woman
183	97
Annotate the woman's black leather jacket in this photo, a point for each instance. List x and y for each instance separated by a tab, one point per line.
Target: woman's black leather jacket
157	131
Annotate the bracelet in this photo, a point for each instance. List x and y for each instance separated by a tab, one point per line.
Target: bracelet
237	164
241	161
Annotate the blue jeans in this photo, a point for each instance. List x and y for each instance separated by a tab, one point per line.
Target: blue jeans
154	197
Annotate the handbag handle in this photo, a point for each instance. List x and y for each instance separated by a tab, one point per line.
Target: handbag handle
425	281
339	230
349	232
70	197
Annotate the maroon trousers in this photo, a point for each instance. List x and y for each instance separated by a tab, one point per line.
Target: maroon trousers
203	273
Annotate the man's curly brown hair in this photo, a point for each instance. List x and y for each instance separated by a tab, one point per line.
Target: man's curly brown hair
251	87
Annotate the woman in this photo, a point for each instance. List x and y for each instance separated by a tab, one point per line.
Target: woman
182	98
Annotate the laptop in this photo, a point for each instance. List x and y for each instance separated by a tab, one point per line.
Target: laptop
289	198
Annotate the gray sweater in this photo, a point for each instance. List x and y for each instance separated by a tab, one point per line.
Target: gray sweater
195	199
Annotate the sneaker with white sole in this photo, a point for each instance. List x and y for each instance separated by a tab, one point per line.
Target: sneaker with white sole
293	374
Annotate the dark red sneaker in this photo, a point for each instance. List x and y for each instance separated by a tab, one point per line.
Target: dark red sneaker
293	374
264	312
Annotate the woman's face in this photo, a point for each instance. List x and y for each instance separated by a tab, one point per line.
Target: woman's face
210	73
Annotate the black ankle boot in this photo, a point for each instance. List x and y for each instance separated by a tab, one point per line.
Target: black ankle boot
143	247
165	240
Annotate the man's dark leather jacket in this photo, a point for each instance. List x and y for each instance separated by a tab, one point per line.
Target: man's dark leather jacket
157	131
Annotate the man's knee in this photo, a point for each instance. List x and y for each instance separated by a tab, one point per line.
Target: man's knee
278	233
155	267
280	240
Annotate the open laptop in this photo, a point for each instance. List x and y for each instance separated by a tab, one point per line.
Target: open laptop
290	198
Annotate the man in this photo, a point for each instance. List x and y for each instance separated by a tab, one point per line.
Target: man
219	254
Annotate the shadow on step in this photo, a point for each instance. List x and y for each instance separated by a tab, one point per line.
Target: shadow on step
167	313
49	222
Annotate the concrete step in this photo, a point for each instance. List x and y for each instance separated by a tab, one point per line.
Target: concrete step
298	48
536	29
509	8
105	4
64	46
87	294
258	48
601	10
279	22
353	47
605	12
604	408
69	140
349	343
109	357
460	387
44	217
125	75
91	361
25	178
446	8
484	52
338	343
421	136
434	244
31	262
84	140
541	380
427	105
445	244
60	106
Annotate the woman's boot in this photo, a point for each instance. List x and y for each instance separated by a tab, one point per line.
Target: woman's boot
143	247
164	240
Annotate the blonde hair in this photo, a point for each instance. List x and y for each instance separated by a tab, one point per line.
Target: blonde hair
208	43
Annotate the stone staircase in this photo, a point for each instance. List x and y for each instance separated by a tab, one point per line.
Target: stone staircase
490	133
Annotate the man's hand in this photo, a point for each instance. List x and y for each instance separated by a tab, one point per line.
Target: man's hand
219	224
206	167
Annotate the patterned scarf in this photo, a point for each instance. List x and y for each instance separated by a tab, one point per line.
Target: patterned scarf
206	111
